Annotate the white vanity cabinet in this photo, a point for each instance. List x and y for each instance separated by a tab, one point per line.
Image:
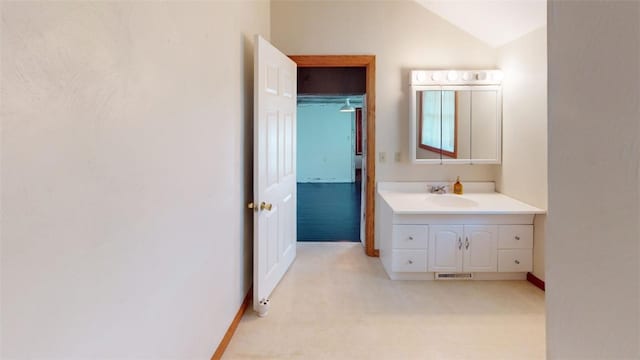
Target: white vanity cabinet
409	244
410	236
445	242
480	250
460	248
515	243
425	240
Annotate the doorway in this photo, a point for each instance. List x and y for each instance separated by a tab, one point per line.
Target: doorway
329	163
366	62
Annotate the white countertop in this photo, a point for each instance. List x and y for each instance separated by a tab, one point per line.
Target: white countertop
403	198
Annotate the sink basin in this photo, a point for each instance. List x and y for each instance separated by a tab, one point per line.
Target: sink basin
455	201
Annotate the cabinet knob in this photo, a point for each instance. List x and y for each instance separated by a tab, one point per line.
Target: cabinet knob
410	237
517	262
410	262
517	237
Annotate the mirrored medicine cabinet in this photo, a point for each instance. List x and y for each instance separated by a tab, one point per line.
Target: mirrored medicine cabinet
456	117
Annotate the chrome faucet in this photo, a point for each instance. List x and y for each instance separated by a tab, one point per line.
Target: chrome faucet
438	189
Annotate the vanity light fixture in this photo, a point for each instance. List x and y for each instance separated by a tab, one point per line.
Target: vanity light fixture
347	107
456	77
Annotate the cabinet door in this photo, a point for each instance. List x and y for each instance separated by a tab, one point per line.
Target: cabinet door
456	124
445	248
442	128
480	248
486	122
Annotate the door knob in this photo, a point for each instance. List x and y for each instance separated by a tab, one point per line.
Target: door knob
253	206
267	206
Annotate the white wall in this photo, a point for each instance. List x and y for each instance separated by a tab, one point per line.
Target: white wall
404	36
326	144
120	237
592	252
523	174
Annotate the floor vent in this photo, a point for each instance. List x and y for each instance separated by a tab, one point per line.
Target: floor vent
454	276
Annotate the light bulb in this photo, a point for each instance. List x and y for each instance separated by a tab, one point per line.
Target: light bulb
452	75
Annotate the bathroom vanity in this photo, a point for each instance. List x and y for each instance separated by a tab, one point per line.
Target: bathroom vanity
481	235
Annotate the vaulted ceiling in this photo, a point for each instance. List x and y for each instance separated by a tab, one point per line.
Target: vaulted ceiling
495	22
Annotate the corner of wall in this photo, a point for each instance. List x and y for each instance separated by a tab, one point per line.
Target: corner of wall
523	172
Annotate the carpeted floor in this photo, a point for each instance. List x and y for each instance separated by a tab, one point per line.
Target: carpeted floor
336	303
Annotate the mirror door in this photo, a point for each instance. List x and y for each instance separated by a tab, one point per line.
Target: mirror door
457	124
486	121
428	124
443	124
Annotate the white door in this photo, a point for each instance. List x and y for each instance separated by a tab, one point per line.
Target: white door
274	168
480	248
445	248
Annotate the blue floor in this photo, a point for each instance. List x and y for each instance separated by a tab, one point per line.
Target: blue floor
329	211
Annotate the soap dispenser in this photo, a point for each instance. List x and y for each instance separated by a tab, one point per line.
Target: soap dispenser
457	187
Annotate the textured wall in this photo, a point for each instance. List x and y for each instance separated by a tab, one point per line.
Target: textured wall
126	159
593	252
325	144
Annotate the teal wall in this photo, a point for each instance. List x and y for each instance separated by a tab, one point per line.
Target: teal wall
325	144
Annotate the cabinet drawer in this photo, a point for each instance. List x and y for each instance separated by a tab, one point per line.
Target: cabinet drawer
516	260
410	236
515	237
409	261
